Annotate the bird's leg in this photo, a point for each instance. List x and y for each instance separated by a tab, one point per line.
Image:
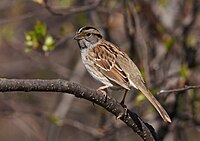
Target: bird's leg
124	106
123	100
104	90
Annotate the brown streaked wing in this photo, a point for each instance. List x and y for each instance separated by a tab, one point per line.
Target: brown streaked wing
106	62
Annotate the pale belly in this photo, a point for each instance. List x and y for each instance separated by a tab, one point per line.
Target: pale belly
95	73
98	76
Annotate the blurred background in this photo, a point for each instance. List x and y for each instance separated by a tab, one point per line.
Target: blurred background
36	41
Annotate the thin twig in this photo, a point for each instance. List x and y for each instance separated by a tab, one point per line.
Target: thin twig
9	20
72	10
131	119
179	89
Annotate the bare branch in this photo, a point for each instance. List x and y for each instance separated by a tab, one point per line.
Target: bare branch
179	89
72	10
143	129
140	35
190	53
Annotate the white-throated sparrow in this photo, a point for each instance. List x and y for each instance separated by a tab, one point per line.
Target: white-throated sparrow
112	67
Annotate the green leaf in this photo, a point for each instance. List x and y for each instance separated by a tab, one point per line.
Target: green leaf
55	120
192	40
39	39
40	29
48	44
66	3
140	97
164	3
168	42
184	71
154	91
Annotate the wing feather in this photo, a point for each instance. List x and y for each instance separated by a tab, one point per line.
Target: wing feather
106	62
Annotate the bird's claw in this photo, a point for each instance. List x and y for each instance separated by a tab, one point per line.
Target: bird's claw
103	90
119	116
104	95
125	113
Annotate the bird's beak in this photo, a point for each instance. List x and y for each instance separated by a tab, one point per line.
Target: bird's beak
78	37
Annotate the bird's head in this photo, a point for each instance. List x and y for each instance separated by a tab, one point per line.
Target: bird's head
87	37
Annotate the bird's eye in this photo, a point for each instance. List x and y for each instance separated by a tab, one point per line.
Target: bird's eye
88	34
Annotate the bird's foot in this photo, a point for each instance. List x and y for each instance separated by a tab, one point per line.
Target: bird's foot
104	91
125	113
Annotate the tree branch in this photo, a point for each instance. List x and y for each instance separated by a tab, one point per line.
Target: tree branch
179	89
72	10
190	52
143	129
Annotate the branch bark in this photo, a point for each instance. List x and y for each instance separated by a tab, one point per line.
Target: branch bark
144	130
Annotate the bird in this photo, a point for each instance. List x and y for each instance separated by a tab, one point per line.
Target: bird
106	63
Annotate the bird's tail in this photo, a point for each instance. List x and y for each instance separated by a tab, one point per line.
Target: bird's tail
154	102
